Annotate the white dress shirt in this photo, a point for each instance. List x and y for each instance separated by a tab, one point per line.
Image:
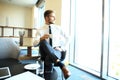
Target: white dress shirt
59	38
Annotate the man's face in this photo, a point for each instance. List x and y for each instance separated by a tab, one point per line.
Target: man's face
51	18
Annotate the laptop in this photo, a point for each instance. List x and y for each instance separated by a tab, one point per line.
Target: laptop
4	72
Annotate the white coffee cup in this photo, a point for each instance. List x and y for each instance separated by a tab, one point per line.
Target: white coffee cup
50	35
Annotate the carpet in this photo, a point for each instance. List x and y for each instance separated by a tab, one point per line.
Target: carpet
77	74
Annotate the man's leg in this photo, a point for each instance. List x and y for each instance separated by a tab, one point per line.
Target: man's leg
47	50
48	65
48	55
42	53
52	58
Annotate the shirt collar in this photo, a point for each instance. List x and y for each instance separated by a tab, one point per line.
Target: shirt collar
46	26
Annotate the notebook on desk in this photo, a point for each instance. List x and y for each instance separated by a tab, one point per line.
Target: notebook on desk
25	76
4	72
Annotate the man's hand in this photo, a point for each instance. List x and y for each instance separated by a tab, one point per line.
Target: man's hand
58	48
45	36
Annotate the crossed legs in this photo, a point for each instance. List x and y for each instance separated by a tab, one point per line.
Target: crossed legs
50	56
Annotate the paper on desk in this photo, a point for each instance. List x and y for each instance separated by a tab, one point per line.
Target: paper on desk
25	76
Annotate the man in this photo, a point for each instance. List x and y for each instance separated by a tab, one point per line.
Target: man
52	41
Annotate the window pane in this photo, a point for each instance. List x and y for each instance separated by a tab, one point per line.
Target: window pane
88	34
114	51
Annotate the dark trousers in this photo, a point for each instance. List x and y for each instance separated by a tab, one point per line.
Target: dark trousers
49	55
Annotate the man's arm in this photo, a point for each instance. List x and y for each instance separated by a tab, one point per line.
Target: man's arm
39	37
66	40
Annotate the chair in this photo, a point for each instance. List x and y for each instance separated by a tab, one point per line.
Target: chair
9	52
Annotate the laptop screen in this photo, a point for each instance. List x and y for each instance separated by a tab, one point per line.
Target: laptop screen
4	72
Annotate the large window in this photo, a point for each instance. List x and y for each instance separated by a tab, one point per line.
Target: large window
95	37
88	32
38	16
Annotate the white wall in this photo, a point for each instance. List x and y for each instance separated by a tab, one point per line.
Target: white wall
56	6
11	15
17	16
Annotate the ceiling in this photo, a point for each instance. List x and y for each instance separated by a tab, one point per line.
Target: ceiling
26	3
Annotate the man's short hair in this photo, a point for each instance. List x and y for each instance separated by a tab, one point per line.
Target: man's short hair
47	12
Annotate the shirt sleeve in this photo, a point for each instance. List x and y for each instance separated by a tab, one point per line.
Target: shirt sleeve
66	40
